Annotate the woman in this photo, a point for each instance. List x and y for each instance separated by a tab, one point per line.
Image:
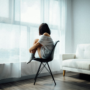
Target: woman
43	45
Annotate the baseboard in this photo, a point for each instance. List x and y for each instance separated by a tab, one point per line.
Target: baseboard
26	77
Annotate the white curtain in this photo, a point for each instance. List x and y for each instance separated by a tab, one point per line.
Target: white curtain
19	24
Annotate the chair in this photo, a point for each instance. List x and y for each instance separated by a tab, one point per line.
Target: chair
42	61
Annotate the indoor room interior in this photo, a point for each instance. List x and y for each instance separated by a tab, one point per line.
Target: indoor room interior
59	59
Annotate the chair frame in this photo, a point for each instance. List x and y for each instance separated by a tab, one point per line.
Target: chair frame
38	72
48	59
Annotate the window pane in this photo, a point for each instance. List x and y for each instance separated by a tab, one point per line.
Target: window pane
23	44
9	42
4	8
30	11
54	12
17	10
13	43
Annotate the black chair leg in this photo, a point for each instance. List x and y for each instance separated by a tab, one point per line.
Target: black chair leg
37	73
51	74
44	65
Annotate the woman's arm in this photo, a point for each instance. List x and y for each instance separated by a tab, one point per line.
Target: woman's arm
35	46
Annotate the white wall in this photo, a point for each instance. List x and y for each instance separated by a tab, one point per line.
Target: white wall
81	22
68	32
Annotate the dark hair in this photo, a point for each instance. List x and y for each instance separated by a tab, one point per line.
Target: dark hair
44	28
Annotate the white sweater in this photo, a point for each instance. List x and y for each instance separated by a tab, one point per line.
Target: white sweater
47	45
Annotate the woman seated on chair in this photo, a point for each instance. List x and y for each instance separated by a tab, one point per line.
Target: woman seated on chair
43	45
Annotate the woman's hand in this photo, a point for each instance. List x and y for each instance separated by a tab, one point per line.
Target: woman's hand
32	51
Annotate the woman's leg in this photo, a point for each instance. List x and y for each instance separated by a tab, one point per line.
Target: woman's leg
38	49
33	52
36	40
39	52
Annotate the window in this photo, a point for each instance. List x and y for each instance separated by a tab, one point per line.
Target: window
4	4
30	11
53	12
19	23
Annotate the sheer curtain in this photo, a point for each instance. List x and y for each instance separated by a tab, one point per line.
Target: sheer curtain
19	23
10	35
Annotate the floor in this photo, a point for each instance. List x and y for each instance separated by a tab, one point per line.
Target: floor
71	81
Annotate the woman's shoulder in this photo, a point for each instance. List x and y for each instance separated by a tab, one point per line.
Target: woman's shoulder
46	34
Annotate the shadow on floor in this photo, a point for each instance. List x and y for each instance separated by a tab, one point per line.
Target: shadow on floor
81	76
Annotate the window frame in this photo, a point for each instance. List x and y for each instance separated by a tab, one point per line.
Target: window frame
11	18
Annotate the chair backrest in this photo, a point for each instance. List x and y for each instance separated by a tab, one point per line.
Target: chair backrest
51	55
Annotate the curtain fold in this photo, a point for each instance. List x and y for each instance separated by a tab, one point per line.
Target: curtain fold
19	27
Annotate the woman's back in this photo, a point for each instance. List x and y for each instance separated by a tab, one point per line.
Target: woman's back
47	45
